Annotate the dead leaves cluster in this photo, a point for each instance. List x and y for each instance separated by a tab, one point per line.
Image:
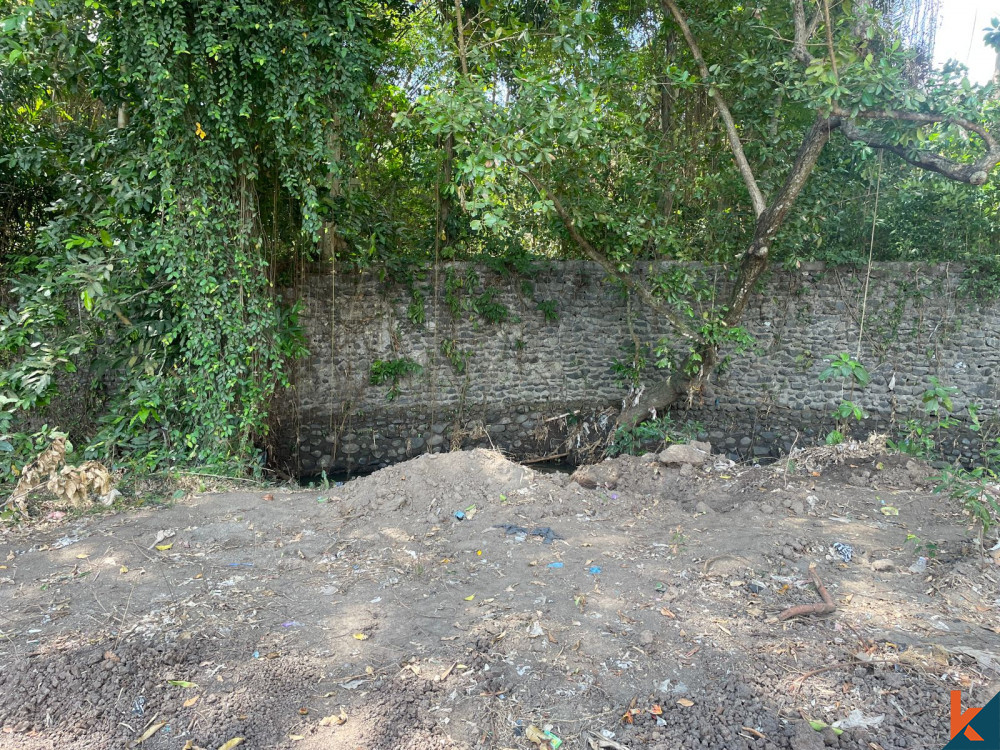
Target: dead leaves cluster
72	484
819	457
75	483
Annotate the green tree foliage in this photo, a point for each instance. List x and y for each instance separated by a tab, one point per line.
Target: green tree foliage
166	163
194	142
621	132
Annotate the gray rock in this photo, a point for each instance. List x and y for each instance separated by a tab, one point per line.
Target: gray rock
798	507
883	566
694	454
806	738
703	507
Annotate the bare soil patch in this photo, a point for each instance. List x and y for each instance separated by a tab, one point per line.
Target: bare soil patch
643	612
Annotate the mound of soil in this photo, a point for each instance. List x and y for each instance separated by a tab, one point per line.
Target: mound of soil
462	601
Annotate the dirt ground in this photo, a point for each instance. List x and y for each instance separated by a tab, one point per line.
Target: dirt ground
368	616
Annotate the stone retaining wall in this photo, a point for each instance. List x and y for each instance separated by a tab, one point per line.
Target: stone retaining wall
541	381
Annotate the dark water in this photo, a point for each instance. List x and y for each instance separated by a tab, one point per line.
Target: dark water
552	467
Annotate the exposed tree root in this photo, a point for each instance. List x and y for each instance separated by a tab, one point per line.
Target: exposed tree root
823	608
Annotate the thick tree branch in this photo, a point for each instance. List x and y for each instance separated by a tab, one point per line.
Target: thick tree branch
460	31
803	31
756	257
829	40
924	118
771	215
973	173
591	252
756	196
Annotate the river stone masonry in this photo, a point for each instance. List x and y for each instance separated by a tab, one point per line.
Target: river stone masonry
538	381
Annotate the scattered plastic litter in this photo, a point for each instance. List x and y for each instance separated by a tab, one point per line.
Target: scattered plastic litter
139	706
845	551
459	515
64	542
241	565
547	534
161	536
512	529
595	570
555	565
291	624
857	720
757	587
321	499
667	686
256	654
919	566
603	741
543	737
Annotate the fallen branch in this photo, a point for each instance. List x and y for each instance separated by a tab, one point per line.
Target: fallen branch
826	607
551	457
796	684
754	732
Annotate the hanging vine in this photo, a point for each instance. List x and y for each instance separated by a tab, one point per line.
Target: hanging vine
154	273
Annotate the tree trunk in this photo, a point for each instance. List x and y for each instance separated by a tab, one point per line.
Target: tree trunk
705	355
996	77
